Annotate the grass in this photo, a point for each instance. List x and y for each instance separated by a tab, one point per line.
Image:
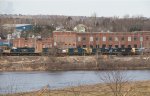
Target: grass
132	89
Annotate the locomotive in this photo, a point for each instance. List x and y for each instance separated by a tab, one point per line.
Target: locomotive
24	51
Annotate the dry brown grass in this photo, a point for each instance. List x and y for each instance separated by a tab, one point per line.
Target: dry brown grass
132	89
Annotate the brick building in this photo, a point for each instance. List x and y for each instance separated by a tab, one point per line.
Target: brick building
38	44
71	39
101	39
65	39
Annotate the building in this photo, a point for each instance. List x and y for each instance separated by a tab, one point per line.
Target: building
71	39
64	39
38	44
18	27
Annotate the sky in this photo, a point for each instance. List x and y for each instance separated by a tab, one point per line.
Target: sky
105	8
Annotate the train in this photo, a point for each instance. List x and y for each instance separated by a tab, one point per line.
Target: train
25	51
94	51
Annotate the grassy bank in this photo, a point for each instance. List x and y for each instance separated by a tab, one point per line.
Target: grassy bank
131	89
49	63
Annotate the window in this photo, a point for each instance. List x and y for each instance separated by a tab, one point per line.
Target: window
129	46
79	38
79	46
83	38
55	43
135	38
104	45
96	39
141	38
122	38
84	46
135	45
141	45
110	38
91	38
104	38
110	46
116	46
91	46
122	46
141	33
97	46
116	38
129	38
147	38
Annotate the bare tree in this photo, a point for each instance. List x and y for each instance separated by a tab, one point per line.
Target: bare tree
117	82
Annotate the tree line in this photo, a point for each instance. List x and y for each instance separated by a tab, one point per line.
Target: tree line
48	23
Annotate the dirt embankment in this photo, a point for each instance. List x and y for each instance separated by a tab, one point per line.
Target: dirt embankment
34	63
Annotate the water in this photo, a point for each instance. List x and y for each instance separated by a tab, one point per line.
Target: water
11	82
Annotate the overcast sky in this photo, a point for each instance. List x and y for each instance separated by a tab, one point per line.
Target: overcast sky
77	7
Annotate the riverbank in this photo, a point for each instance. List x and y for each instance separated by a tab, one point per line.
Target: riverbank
141	88
49	63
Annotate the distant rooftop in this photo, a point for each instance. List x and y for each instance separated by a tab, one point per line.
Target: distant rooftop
15	25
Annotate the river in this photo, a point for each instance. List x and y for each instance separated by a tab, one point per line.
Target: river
12	82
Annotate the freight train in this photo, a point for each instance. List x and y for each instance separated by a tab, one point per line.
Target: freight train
72	51
94	51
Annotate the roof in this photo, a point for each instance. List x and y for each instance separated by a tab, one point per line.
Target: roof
106	32
15	25
80	28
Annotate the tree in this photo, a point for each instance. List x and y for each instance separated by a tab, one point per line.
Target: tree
117	82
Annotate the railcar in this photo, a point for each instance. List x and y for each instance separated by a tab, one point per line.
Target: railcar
77	51
54	52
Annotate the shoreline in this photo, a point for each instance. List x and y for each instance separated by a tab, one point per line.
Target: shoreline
73	63
74	70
